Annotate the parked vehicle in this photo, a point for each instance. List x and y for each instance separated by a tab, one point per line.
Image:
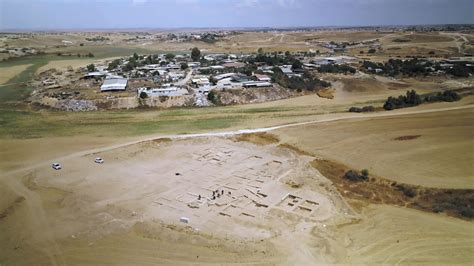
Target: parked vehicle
99	160
56	166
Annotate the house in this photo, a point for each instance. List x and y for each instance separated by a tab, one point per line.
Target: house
262	77
201	81
286	69
194	64
234	65
310	66
174	76
223	76
240	78
114	84
216	67
204	89
225	83
256	84
162	91
96	74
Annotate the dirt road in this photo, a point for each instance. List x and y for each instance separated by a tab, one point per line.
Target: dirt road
339	117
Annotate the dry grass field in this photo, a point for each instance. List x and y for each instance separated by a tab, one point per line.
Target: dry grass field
444	144
10	72
394	235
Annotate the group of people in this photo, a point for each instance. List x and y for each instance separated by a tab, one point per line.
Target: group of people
216	194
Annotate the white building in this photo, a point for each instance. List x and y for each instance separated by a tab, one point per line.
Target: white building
163	91
226	83
224	76
200	81
262	77
115	84
256	84
286	69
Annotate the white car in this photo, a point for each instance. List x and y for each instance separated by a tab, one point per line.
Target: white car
56	166
99	160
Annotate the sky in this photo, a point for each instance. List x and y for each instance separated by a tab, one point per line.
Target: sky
128	14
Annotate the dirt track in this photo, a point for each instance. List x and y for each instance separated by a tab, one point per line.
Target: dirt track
332	118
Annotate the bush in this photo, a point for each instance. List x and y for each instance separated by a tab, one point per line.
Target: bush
364	109
169	56
336	69
371	51
91	68
143	95
446	96
407	191
213	97
355	176
411	99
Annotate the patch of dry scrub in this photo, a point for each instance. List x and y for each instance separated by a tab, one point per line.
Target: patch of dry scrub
408	137
294	149
454	202
261	138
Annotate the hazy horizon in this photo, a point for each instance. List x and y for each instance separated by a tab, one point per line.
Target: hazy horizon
198	14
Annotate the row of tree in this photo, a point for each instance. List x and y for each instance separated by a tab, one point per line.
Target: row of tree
415	67
333	68
413	99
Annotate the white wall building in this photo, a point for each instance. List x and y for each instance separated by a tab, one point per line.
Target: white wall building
163	91
114	84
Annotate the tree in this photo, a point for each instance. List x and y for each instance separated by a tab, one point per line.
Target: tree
195	54
143	95
114	64
169	56
260	50
371	51
127	67
81	44
90	54
91	68
135	56
297	65
212	97
184	66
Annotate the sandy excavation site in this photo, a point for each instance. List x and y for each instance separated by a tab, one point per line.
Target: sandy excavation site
211	188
